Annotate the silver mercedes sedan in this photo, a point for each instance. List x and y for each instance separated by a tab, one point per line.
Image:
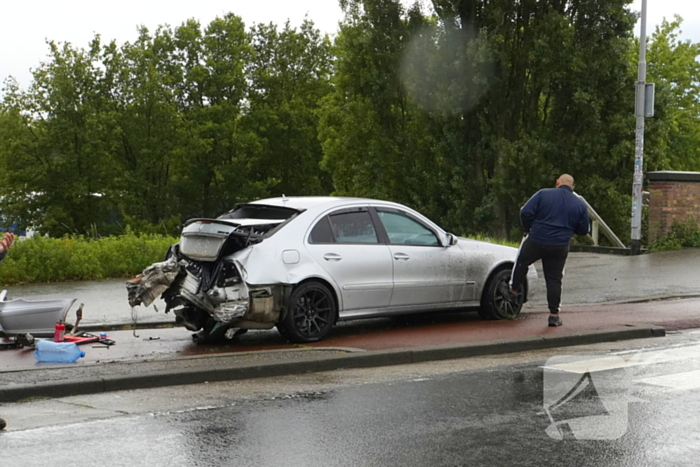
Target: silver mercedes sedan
304	263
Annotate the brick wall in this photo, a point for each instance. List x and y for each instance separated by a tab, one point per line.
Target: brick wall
673	197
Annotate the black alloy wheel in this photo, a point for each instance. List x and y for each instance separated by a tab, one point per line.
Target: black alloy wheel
311	314
497	302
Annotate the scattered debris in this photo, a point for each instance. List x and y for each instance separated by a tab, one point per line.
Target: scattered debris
156	279
87	338
10	345
19	341
78	318
25	339
134	319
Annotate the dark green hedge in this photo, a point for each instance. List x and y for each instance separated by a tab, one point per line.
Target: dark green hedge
43	259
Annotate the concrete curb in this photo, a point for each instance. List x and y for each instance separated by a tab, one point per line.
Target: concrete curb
232	371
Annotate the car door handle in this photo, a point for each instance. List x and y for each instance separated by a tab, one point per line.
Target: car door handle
401	256
332	257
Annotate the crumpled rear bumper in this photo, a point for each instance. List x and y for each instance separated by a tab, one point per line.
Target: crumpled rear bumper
236	304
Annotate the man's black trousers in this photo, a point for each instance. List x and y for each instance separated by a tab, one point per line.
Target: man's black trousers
553	261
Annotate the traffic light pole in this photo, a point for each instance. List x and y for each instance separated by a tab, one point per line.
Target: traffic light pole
640	112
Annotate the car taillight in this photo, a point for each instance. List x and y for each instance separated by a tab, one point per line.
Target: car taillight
229	275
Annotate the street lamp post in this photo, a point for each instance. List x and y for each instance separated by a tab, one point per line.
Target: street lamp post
644	105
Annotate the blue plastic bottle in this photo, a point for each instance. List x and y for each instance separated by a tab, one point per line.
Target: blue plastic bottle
63	352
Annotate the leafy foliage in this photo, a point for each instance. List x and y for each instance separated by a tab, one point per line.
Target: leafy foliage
674	68
682	235
44	259
466	113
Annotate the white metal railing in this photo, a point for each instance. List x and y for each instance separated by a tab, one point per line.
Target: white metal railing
599	225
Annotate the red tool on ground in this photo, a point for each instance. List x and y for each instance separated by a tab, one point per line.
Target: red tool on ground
87	338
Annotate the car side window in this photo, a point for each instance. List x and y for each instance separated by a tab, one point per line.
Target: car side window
404	230
353	227
321	233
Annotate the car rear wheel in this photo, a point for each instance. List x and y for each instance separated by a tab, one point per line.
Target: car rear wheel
312	312
494	302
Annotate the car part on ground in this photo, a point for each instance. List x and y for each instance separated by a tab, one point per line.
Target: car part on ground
36	317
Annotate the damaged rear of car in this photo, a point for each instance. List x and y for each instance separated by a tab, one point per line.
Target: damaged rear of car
203	279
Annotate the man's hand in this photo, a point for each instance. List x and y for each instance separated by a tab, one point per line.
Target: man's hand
6	242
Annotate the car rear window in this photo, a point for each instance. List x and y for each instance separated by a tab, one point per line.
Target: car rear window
252	211
321	232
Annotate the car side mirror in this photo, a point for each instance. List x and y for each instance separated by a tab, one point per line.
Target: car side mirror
451	240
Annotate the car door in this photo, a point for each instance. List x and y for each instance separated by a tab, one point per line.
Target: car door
346	244
426	272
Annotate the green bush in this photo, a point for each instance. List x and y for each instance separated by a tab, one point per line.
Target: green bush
43	259
682	235
498	241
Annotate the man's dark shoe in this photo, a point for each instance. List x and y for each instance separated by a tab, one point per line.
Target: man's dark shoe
509	296
555	321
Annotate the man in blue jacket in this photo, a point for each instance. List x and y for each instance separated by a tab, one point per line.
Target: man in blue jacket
550	218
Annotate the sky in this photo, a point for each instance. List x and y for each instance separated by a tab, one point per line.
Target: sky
26	25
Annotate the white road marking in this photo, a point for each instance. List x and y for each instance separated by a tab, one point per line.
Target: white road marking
681	381
635	359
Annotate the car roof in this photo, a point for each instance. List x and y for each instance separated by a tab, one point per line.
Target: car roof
303	203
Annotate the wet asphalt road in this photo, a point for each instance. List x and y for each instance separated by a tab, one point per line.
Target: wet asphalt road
590	278
483	411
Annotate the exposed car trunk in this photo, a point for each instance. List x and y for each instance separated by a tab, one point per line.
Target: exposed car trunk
207	240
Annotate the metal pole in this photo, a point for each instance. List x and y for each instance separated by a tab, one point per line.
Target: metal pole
639	138
594	232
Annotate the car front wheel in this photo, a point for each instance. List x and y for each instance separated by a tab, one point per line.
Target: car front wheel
494	301
311	313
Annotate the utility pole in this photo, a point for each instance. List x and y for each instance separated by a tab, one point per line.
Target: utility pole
644	107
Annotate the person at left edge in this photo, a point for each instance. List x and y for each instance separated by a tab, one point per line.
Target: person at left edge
5	245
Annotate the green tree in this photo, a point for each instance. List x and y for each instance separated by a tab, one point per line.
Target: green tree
215	156
56	144
289	74
556	100
376	141
673	136
495	99
146	124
